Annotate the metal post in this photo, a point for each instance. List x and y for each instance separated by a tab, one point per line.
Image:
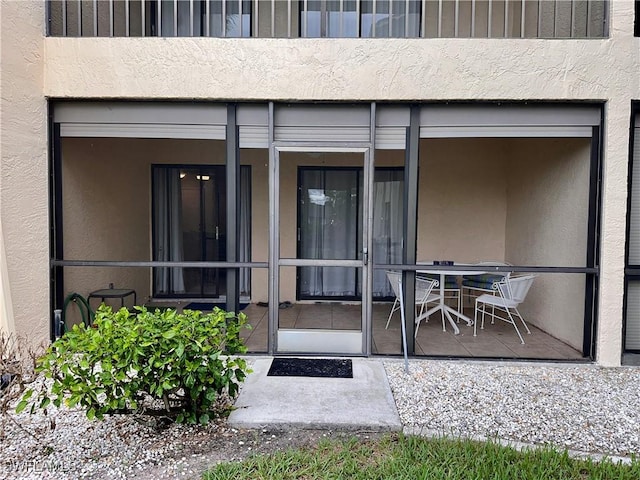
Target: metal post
274	245
403	328
591	285
233	201
410	221
56	294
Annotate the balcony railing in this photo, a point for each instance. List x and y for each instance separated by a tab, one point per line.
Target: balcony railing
329	18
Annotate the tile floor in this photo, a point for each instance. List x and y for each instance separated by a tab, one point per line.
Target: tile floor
497	340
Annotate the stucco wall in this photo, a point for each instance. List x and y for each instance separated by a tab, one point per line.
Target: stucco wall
100	224
462	200
23	167
547	215
299	69
460	69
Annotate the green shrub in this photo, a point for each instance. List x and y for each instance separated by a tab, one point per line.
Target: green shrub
185	362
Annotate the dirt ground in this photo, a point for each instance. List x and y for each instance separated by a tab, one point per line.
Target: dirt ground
227	444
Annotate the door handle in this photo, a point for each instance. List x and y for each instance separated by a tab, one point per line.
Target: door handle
365	256
217	233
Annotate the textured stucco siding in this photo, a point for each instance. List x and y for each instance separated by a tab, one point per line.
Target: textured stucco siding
34	67
24	208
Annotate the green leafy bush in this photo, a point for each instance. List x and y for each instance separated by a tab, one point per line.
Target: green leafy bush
153	362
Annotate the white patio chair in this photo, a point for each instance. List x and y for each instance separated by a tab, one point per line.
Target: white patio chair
476	285
451	289
424	287
511	292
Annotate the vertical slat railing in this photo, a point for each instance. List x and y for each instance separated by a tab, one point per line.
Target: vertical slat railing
406	18
223	26
341	24
473	18
143	19
111	18
95	18
506	18
373	16
254	19
65	30
207	21
127	15
456	18
305	17
79	18
175	18
553	17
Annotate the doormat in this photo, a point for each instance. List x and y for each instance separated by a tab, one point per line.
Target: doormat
208	306
311	367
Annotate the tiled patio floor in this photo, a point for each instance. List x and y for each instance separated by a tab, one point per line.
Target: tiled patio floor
497	340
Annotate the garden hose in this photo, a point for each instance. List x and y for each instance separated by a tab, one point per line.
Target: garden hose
83	305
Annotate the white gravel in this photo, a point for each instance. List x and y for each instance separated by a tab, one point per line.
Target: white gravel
580	407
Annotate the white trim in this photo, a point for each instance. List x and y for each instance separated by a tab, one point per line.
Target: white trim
447	121
391	138
503	131
320	134
141	113
347	342
144	130
254	136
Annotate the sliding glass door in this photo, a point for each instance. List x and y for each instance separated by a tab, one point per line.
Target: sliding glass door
329	220
189	224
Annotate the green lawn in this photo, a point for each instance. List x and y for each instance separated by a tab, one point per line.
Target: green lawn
413	458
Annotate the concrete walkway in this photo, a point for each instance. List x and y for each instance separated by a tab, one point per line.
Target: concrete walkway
363	402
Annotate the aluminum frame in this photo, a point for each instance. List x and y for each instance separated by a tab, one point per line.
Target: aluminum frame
315	337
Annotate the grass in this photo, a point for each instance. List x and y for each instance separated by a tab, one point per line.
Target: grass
413	458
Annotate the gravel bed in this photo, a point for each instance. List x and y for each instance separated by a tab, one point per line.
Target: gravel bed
580	407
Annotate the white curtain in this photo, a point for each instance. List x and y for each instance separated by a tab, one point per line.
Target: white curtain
388	190
330	218
168	230
331	215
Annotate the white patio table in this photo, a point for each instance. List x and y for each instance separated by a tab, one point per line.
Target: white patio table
445	309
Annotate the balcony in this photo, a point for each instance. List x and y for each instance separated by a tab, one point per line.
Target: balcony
548	19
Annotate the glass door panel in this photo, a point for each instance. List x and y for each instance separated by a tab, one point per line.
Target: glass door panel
322	202
214	222
329	229
388	241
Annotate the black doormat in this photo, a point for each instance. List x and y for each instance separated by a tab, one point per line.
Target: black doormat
311	367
